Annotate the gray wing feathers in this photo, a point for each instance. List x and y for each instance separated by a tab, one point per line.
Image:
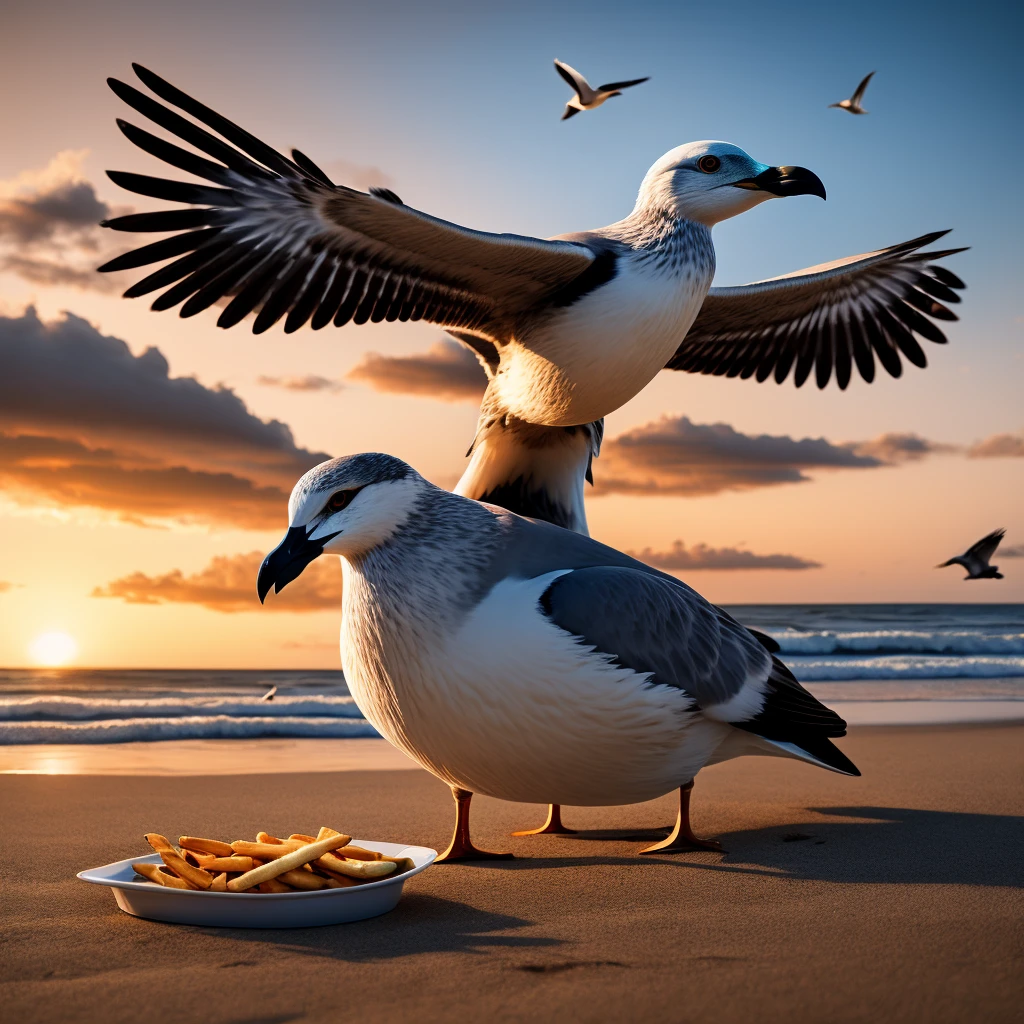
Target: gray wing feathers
859	93
985	548
831	319
279	239
578	83
649	624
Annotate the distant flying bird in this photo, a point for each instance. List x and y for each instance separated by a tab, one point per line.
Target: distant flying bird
270	694
853	103
587	97
975	558
549	667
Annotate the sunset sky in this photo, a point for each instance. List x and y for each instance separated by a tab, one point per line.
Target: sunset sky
145	461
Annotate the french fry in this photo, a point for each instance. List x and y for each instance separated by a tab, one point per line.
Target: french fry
299	878
263	837
358	853
303	838
366	869
340	881
220	883
265	851
280	864
236	863
196	877
217	848
274	885
157	874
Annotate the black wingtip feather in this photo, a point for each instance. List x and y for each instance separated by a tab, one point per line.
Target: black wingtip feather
386	194
311	168
248	143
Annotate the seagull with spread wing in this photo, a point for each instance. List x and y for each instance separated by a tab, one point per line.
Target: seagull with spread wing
976	558
852	105
587	97
568	329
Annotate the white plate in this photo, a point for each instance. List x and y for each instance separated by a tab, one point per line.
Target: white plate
258	910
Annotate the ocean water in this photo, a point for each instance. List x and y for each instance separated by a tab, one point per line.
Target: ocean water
909	652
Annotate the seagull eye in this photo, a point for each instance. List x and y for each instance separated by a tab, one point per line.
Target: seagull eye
709	164
337	501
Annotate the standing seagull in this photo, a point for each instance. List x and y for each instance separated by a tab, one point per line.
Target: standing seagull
545	667
975	559
587	97
853	103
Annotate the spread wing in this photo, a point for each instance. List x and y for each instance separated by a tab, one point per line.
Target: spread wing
831	317
614	86
985	548
576	81
278	237
859	92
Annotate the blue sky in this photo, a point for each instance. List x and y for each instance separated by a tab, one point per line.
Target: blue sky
458	106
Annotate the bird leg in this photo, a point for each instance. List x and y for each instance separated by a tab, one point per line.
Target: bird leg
461	847
682	838
552	827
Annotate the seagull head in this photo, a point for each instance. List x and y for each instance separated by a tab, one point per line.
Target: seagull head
712	181
345	507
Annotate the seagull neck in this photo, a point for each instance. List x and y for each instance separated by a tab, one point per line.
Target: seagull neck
429	571
653	228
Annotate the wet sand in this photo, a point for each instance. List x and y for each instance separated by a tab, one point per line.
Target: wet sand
894	897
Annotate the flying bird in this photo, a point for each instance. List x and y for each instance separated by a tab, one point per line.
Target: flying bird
976	558
853	103
567	329
587	97
604	680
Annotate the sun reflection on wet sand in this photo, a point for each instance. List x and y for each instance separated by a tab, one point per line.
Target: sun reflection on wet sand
203	757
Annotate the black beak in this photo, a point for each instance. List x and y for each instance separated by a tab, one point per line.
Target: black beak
286	562
785	181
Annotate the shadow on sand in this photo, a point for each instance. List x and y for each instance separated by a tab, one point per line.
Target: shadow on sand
426	924
876	845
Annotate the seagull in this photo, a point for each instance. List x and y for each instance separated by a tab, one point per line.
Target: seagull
567	329
976	558
587	97
852	105
546	667
270	694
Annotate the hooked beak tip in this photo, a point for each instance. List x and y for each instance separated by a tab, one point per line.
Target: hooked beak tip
786	181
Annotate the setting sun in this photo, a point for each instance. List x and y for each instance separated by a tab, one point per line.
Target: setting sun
53	649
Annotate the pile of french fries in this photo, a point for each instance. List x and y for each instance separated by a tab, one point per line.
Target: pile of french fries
300	863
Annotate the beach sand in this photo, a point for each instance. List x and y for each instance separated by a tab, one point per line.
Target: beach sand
894	897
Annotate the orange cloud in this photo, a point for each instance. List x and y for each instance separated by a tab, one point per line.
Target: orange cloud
228	584
84	422
447	371
700	556
675	456
55	472
310	382
894	447
998	446
49	226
